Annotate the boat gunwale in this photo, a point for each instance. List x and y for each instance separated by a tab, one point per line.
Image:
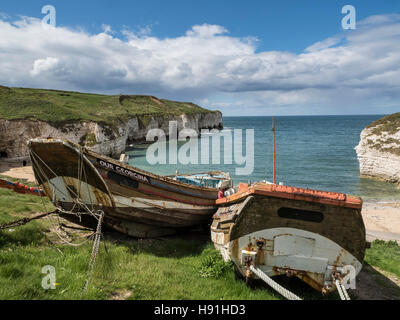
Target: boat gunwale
166	179
256	190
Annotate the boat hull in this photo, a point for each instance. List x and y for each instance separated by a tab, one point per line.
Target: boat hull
135	202
299	235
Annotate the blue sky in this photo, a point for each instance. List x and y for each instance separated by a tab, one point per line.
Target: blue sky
290	25
242	57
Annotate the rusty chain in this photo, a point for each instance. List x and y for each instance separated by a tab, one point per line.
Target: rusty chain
95	250
23	221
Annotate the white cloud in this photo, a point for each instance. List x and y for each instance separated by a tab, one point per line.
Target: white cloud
206	31
325	44
42	65
357	66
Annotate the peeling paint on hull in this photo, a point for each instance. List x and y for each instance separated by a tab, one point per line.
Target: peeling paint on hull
132	199
311	238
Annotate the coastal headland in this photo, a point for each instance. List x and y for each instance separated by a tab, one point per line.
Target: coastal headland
104	123
379	149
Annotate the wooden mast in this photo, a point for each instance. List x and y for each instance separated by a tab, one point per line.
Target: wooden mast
273	135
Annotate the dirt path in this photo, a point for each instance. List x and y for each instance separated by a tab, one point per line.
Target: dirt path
382	217
381	235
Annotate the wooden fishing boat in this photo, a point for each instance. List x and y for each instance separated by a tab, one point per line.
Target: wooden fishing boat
135	202
314	235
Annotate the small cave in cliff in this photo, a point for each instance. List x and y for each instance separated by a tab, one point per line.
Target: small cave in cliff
3	154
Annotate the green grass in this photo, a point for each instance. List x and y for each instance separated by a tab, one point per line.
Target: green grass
180	267
389	123
384	255
60	107
185	266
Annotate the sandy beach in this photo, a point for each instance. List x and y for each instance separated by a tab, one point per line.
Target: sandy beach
381	219
14	170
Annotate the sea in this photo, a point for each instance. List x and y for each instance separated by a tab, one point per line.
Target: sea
315	152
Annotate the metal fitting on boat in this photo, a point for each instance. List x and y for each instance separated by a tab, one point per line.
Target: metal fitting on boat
248	257
327	288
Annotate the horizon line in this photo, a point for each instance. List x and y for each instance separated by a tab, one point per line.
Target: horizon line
312	115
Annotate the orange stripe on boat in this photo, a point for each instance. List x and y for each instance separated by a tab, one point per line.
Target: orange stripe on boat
295	193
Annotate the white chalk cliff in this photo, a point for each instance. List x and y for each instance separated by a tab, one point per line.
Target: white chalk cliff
379	150
101	138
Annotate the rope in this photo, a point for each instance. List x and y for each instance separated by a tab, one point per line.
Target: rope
339	289
342	290
345	293
76	200
274	285
43	175
62	238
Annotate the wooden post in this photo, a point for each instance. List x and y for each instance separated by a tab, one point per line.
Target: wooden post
273	135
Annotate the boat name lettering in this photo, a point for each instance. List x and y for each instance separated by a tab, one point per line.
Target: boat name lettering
124	171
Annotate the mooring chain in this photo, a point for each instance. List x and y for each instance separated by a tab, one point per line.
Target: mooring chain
95	249
23	221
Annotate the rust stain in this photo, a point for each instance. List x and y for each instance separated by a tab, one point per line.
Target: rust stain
302	275
249	247
100	197
310	281
339	256
260	252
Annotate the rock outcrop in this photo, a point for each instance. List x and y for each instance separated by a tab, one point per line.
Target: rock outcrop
379	149
103	138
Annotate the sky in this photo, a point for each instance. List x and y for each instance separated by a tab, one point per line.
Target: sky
287	57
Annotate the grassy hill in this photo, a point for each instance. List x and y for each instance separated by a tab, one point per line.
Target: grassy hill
57	107
388	125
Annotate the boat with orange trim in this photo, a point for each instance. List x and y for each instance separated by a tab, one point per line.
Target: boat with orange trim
312	234
135	202
268	229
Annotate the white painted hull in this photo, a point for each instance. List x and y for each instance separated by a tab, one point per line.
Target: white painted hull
310	254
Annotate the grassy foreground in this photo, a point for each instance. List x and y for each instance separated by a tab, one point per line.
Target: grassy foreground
385	255
180	267
58	107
